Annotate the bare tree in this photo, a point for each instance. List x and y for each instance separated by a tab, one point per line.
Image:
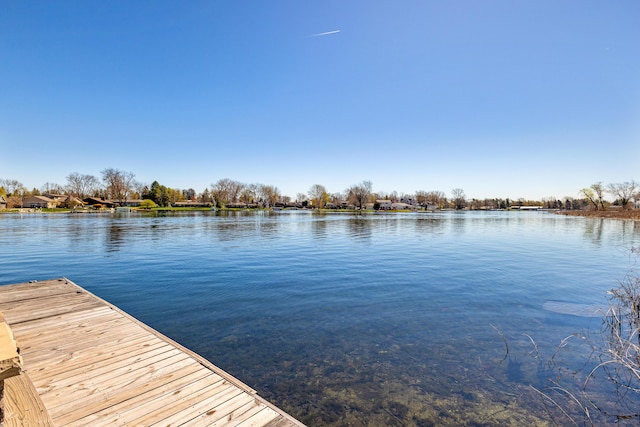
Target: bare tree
590	196
430	198
623	192
598	190
11	186
421	198
436	198
458	197
82	186
359	194
205	196
51	188
249	193
269	195
140	188
226	191
318	195
118	184
337	199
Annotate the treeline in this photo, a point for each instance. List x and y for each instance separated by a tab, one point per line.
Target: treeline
121	186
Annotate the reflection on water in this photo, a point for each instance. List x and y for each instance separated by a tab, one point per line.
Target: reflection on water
341	319
598	229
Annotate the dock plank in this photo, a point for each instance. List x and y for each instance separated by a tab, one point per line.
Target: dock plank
80	359
23	404
97	373
150	402
188	405
205	403
21	291
25	311
105	385
66	411
71	333
261	418
90	364
62	320
237	416
35	355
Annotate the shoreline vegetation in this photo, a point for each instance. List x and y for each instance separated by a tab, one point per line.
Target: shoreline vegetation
633	214
626	214
118	191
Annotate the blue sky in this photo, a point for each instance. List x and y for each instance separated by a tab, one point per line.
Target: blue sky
500	98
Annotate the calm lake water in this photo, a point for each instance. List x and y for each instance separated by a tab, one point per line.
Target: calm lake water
340	319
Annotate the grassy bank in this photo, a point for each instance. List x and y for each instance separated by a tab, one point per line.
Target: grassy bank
614	214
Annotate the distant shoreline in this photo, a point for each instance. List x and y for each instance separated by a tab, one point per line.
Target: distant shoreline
633	214
629	214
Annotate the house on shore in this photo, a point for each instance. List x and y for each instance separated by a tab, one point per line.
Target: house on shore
384	204
389	205
42	202
70	202
527	208
3	202
98	203
401	206
55	197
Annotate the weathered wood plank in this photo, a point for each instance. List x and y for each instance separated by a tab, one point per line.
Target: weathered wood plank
93	364
264	416
151	401
27	313
240	414
96	356
184	406
98	371
99	407
63	299
30	326
252	409
280	421
10	360
23	404
104	378
203	403
102	322
44	284
88	400
35	355
72	332
32	291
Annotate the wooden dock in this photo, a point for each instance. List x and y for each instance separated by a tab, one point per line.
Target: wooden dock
87	363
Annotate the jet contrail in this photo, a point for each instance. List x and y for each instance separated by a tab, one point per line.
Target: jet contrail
326	34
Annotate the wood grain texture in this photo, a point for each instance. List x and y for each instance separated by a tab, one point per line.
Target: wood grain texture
87	363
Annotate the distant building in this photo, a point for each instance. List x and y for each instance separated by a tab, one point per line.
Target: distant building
527	208
402	206
385	204
70	202
56	197
131	202
100	203
39	202
3	203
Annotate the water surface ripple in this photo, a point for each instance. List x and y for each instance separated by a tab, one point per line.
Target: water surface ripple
392	319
